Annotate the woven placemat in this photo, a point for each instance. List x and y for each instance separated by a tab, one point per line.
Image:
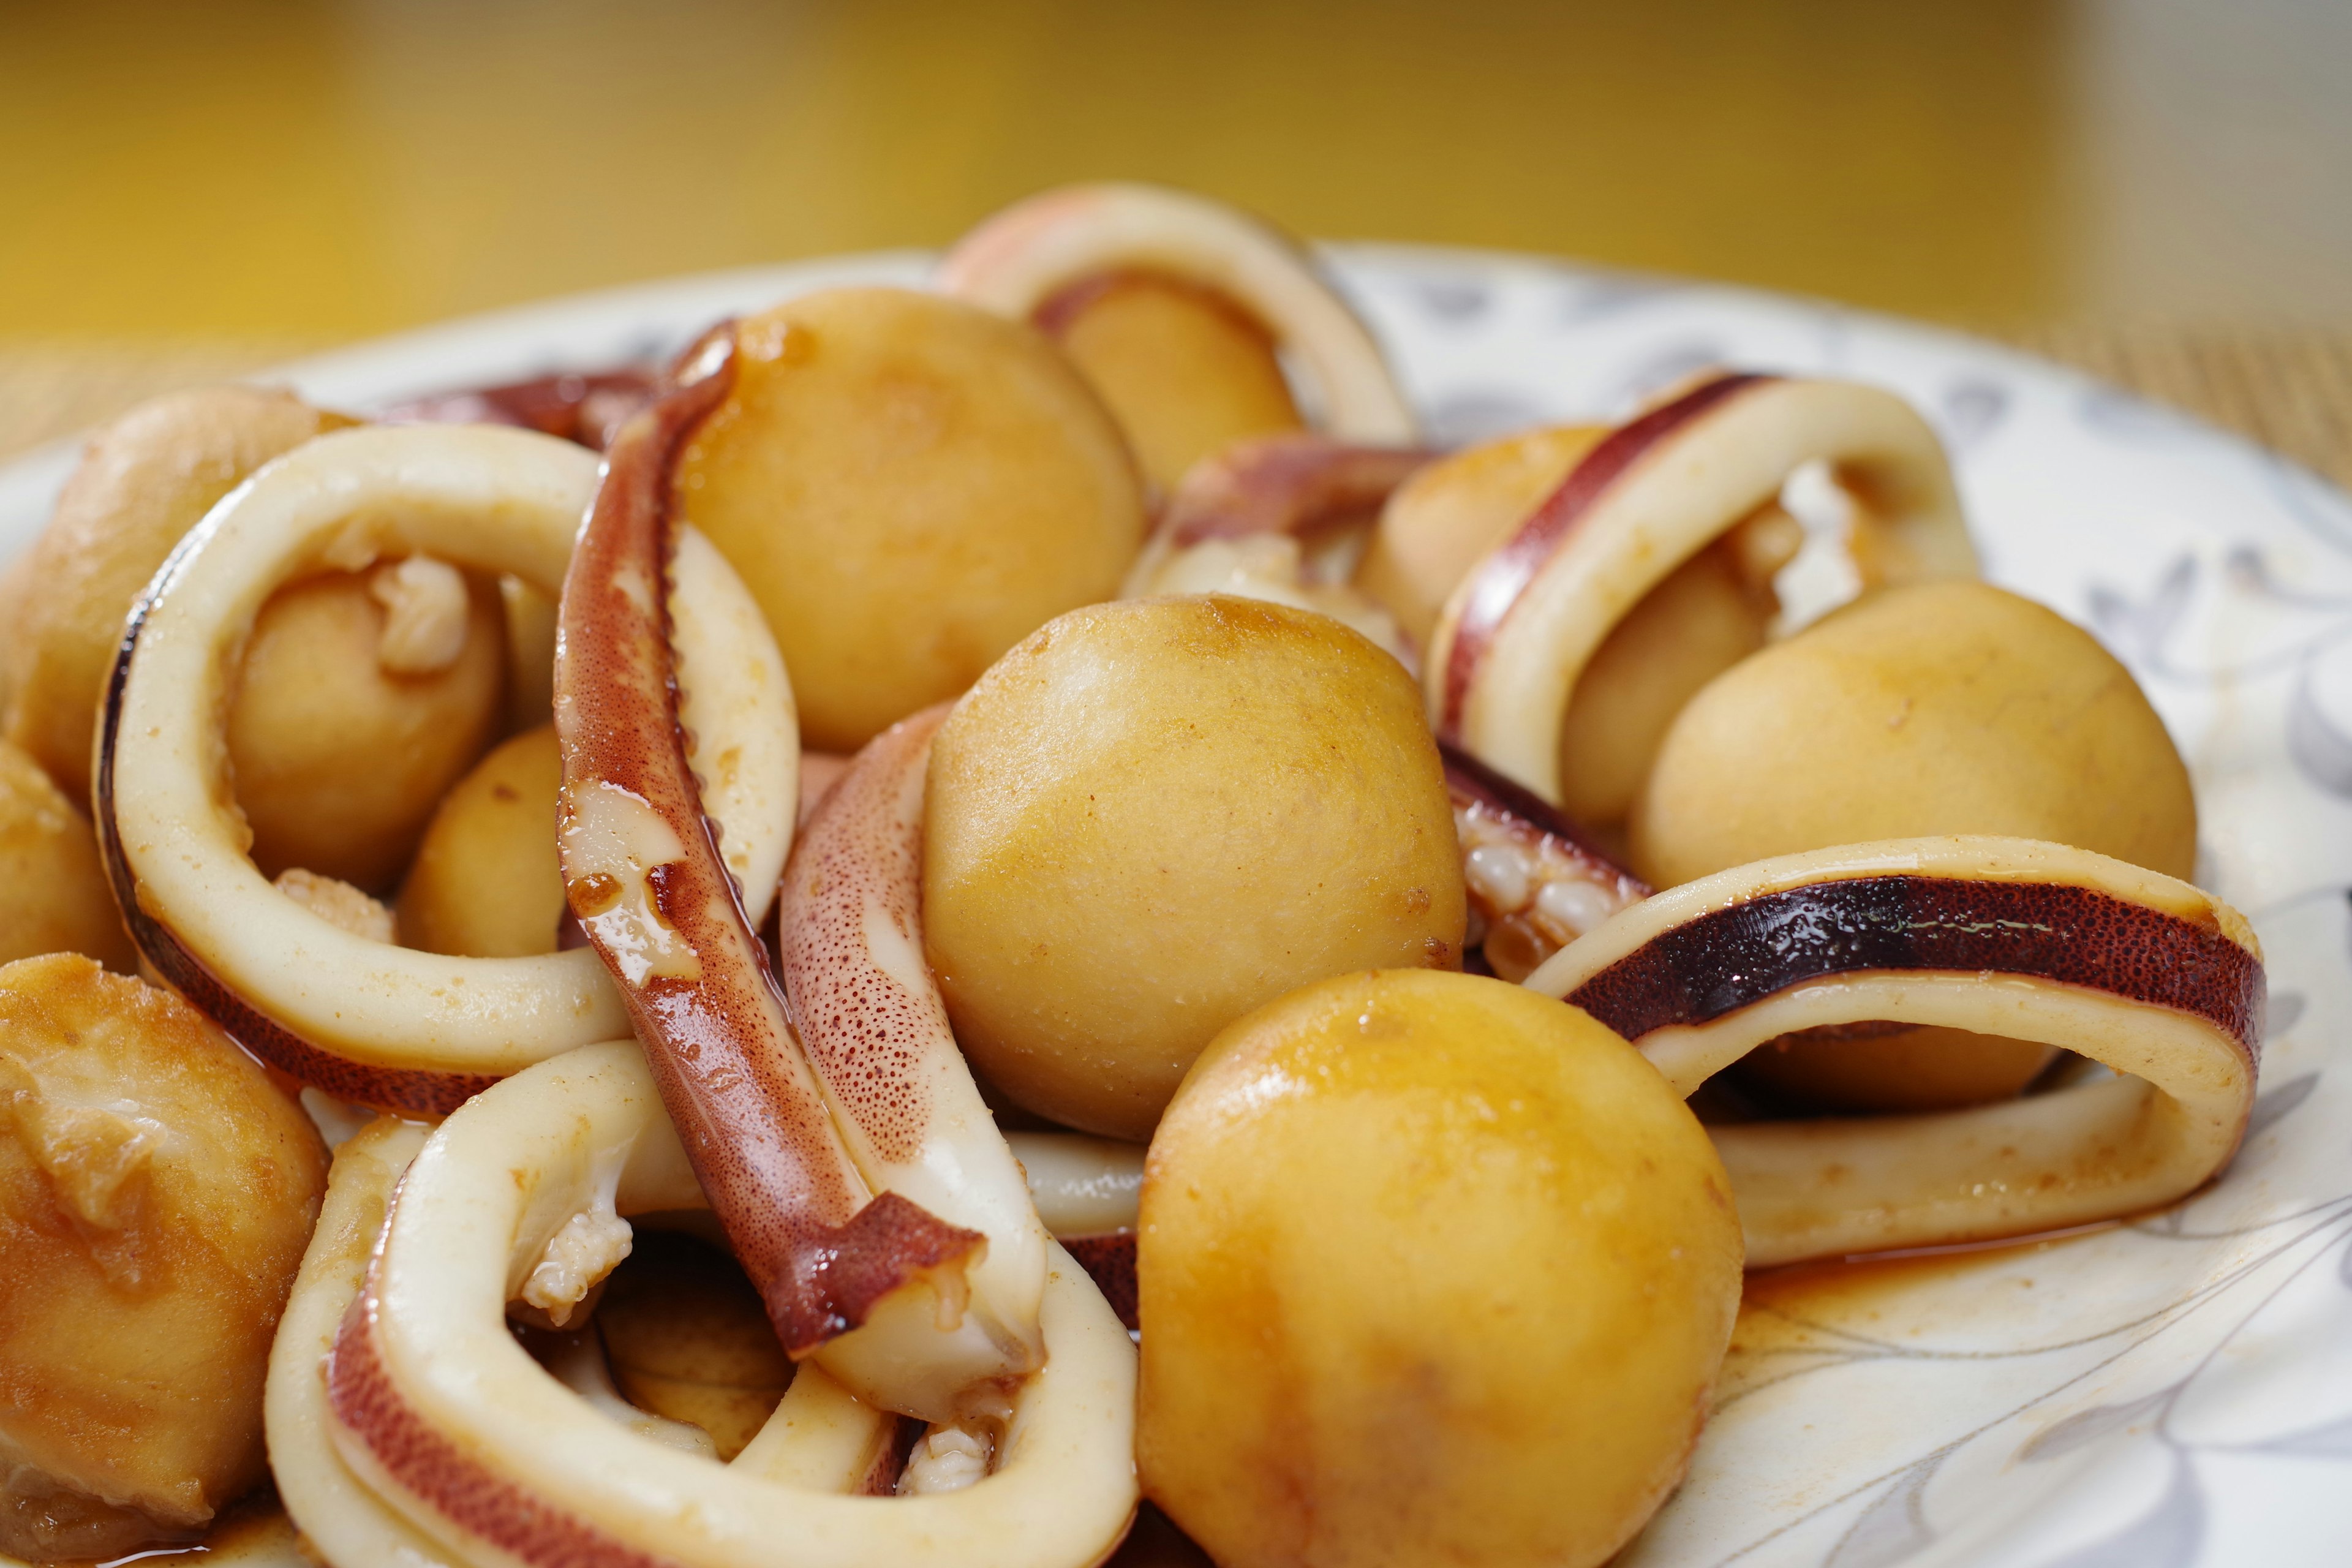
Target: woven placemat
2291	390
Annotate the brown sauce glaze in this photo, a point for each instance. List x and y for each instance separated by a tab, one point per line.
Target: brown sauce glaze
1726	958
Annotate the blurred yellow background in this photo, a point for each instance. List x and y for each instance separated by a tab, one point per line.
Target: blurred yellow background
240	177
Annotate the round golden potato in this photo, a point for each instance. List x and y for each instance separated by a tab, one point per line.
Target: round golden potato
146	479
155	1196
1938	708
1443	522
58	898
908	486
1431	1269
349	721
1185	370
1949	706
1703	619
487	882
1155	816
1908	1069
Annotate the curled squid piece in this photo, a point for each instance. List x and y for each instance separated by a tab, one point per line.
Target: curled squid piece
1641	506
360	1019
1283	518
588	407
1187	315
441	1433
2145	974
865	1009
803	1141
1087	1190
1536	881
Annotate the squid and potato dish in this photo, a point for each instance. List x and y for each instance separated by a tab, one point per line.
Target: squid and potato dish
1004	924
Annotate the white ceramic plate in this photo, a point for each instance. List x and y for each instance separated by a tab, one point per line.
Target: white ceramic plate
2172	1392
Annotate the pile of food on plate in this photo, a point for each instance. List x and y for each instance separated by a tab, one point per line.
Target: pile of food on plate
1016	903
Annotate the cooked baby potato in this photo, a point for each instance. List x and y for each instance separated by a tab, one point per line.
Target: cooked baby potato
908	486
1155	816
145	481
486	882
1941	707
1432	1269
1185	372
1706	616
57	900
157	1193
363	698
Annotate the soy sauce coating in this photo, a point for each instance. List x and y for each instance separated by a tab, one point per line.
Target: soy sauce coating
1728	958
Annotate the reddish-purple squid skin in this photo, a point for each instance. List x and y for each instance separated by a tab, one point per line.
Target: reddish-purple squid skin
1472	782
720	1052
1110	1260
1292	482
451	1481
1728	958
1498	581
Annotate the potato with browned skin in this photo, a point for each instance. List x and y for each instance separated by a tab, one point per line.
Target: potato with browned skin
57	900
362	696
1941	707
1155	816
1431	1269
1184	369
157	1193
145	481
908	487
486	882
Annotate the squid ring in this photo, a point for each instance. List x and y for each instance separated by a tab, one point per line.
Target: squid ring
1519	630
820	1437
1028	257
2004	936
362	1020
440	1415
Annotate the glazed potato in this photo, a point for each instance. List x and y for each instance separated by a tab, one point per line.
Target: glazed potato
157	1193
486	882
57	900
145	481
1155	816
1703	619
908	486
688	1339
1940	708
1431	1269
1442	520
1185	372
355	710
